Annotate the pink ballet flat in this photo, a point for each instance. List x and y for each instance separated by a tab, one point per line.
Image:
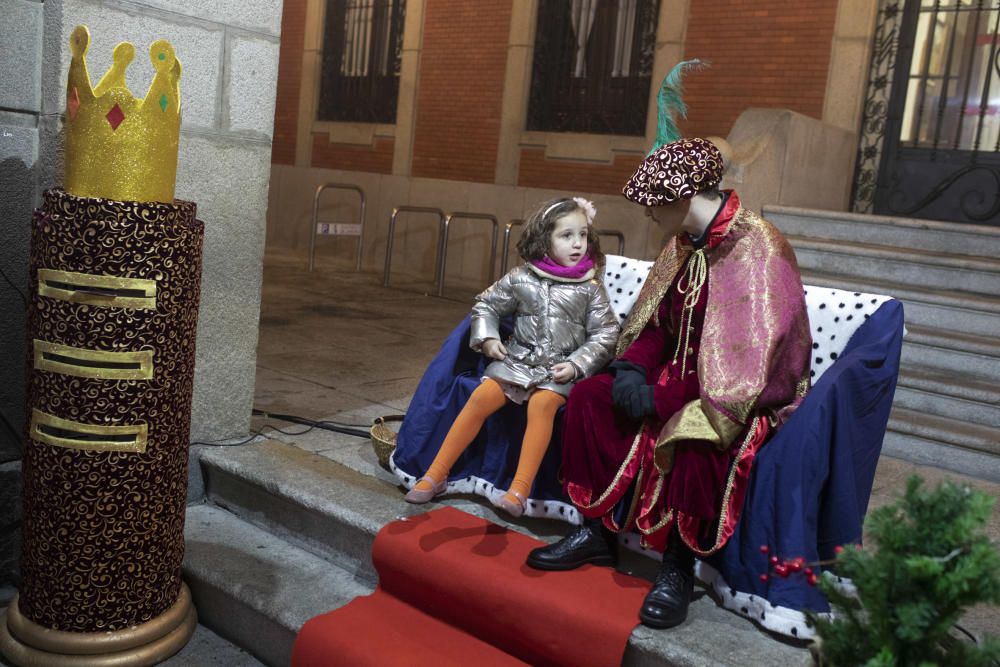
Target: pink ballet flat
515	509
420	496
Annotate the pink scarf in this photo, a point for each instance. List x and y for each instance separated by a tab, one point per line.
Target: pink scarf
550	267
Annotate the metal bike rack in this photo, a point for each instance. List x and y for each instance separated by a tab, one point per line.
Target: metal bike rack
315	219
442	255
392	233
505	255
616	234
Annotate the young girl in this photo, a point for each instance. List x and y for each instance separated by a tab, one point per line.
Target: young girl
564	330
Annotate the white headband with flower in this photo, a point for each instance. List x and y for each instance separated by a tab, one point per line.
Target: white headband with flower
586	205
588	208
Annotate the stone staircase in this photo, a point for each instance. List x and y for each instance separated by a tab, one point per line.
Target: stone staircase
947	406
284	534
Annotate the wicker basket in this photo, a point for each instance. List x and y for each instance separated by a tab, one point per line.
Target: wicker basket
384	438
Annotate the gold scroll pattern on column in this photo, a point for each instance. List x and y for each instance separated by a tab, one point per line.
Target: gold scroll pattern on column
103	530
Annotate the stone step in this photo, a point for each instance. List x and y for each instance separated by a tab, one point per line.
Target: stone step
943	309
947	394
981	240
930	452
977	275
334	512
306	499
255	589
207	649
951	351
927	437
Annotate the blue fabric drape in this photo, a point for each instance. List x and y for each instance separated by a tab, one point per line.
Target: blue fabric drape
810	484
443	390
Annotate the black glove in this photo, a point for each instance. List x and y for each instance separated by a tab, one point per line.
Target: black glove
630	392
628	378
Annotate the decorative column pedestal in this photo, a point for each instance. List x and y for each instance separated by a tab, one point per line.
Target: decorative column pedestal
30	645
114	307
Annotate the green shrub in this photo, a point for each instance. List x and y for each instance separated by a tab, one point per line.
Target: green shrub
929	559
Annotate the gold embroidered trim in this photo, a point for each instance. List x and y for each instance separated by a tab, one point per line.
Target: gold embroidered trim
630	517
94	290
696	275
661	275
667	518
657	490
98	364
688	423
58	432
621	471
724	510
727	429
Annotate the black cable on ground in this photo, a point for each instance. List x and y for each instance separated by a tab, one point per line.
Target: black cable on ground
328	425
347	429
254	435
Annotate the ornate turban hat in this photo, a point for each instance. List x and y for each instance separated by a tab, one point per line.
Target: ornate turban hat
679	170
675	168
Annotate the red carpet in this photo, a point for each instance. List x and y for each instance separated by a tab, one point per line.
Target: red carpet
454	584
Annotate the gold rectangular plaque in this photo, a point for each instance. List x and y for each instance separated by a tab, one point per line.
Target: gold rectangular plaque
93	363
58	432
94	290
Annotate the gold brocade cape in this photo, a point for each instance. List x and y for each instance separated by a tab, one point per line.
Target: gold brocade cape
755	342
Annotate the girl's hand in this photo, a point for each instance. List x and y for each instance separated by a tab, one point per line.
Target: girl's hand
564	372
494	349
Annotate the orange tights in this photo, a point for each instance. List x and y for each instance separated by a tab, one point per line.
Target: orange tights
484	401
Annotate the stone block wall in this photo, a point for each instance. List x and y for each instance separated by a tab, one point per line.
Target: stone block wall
21	46
229	53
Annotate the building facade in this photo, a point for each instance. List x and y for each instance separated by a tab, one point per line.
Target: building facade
489	95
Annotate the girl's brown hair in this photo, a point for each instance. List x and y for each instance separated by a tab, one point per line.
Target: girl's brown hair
537	233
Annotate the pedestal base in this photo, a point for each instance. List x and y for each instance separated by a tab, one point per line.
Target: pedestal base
27	644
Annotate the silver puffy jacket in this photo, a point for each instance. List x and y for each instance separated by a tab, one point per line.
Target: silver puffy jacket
555	320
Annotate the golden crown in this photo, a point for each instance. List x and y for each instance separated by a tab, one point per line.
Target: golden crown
118	147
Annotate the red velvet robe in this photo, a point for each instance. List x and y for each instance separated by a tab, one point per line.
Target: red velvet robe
605	453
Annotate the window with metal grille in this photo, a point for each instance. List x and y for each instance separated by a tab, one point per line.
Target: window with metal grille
953	90
593	64
362	42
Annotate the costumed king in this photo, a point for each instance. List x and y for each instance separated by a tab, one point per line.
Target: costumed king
713	358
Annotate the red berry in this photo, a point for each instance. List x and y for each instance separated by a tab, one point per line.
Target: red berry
808	571
764	578
774	560
795	565
837	549
781	570
811	579
764	548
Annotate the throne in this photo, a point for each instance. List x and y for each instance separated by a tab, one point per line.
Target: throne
810	484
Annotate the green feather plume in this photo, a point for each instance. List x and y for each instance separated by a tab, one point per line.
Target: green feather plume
670	104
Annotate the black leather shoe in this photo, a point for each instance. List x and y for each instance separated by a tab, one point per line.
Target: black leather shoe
590	543
666	604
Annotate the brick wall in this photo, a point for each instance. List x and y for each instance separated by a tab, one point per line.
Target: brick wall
286	108
768	53
763	53
376	158
460	89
